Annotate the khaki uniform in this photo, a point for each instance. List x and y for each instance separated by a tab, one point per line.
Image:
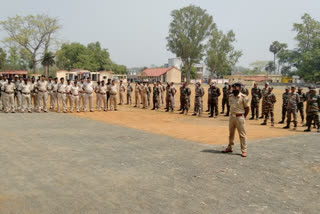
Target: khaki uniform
2	83
42	94
237	120
68	95
113	97
137	93
149	94
54	95
98	96
82	95
75	98
18	94
50	93
26	96
129	93
88	89
122	90
62	97
292	108
103	98
144	95
34	96
9	97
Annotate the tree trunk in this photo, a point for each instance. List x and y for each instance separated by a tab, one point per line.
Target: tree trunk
188	74
48	73
274	63
34	65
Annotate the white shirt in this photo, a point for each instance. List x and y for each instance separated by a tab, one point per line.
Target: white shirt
62	88
75	90
88	88
26	88
42	86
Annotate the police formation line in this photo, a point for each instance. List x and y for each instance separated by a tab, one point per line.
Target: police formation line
79	95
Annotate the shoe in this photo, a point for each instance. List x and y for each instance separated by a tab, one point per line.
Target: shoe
211	116
226	115
181	112
153	109
244	155
295	127
261	117
222	112
116	110
166	110
263	124
194	114
286	127
272	123
251	118
307	130
281	122
227	150
207	110
180	109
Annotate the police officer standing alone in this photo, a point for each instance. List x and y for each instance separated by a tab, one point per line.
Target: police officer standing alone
239	109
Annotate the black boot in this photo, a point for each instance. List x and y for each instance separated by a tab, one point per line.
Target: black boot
194	114
182	112
264	123
308	129
287	126
282	121
211	115
251	118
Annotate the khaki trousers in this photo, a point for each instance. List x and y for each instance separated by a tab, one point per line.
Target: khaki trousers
19	100
103	101
74	101
129	100
145	100
88	101
68	100
42	96
61	99
113	101
53	99
98	100
289	112
122	98
3	100
137	99
82	97
9	102
26	98
239	124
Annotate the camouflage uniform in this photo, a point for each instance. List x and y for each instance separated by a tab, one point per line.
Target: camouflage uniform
270	100
225	97
186	92
214	94
156	97
285	98
181	97
244	91
209	99
255	101
313	103
199	92
171	91
264	91
300	104
293	101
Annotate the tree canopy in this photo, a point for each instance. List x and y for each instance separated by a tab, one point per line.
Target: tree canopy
189	29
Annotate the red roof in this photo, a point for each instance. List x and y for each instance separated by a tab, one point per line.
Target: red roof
14	72
257	79
154	72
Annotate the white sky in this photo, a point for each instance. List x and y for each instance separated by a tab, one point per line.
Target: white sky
134	31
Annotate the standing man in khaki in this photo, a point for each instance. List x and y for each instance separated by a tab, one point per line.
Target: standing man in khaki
239	109
2	84
103	98
26	97
122	90
113	95
137	92
82	95
54	93
9	89
129	93
144	95
50	93
75	97
42	86
88	89
62	96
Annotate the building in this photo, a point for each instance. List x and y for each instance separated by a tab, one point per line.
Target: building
201	68
171	74
249	79
12	73
77	74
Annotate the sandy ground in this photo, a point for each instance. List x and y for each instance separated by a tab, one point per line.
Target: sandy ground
199	129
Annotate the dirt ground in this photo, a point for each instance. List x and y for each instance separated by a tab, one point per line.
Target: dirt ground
198	129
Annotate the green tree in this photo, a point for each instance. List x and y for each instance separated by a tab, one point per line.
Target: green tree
3	56
189	29
270	67
193	73
258	67
30	32
47	61
307	32
221	55
276	48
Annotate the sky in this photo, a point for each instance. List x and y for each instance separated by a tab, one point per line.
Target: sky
135	31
